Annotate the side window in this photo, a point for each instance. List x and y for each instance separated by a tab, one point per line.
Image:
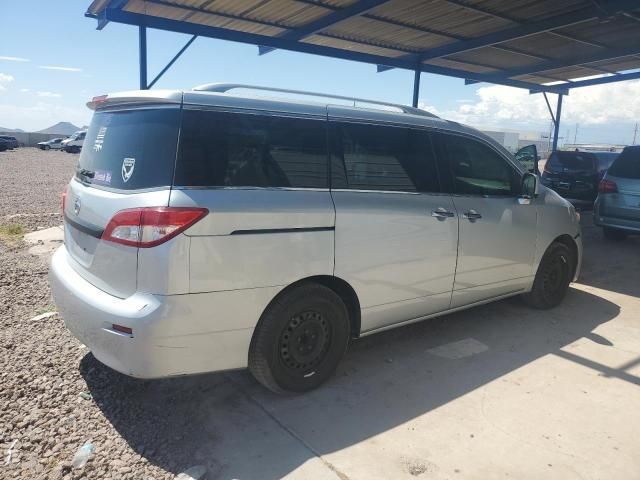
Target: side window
477	169
376	157
240	150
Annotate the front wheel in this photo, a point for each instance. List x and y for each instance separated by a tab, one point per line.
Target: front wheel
300	339
552	278
47	147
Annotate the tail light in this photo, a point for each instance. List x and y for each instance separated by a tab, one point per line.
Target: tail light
63	199
607	186
150	226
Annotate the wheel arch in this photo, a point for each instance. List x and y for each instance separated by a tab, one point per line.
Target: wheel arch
571	244
340	287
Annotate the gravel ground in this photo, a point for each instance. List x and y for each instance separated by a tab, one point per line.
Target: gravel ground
31	182
46	374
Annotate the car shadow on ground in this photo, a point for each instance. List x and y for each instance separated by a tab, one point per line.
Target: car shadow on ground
610	265
239	430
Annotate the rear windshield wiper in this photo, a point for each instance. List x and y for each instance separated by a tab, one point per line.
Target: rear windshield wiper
85	173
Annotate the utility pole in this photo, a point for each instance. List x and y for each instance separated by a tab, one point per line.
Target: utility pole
575	135
635	134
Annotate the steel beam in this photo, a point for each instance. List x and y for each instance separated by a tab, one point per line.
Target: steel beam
556	123
173	60
358	8
526	30
606	80
102	19
570	62
284	44
416	88
142	46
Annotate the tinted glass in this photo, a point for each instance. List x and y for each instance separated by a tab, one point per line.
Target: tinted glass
477	169
131	149
238	150
376	157
605	159
627	165
571	161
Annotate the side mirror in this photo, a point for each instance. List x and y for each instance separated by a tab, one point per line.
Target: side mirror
528	156
529	188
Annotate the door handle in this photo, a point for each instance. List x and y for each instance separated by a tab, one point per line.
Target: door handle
471	215
441	213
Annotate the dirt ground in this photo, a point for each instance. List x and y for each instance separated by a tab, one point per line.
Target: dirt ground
498	391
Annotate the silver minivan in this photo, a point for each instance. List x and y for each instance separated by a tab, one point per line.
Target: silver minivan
209	230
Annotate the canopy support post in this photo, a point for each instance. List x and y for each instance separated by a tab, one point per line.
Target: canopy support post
556	122
142	45
416	87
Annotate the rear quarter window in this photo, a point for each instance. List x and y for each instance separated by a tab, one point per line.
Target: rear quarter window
223	149
130	149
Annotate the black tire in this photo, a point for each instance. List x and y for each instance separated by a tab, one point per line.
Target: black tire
47	147
614	234
313	319
552	278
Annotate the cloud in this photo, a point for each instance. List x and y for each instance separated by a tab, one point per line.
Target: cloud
48	94
499	106
25	90
4	80
14	59
61	69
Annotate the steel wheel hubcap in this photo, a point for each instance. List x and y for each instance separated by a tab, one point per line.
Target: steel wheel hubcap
305	341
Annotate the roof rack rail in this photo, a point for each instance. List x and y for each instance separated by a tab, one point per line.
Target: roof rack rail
225	87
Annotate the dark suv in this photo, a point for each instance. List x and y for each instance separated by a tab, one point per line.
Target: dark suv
12	142
575	175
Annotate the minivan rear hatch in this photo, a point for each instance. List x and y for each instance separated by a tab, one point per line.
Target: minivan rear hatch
127	161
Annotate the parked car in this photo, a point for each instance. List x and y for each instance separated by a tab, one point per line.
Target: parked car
12	142
73	144
575	174
4	145
269	233
54	143
617	208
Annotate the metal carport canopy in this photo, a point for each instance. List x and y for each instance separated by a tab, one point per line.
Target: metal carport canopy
539	45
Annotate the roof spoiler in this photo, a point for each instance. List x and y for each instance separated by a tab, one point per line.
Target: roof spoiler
136	97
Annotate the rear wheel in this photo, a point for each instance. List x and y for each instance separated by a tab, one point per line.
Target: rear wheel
300	339
614	234
552	278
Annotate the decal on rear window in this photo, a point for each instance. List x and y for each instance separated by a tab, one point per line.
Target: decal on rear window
128	164
103	177
97	145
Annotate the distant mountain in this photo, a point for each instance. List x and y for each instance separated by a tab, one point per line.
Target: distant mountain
61	128
2	129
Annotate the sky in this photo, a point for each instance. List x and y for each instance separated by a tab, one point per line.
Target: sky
53	60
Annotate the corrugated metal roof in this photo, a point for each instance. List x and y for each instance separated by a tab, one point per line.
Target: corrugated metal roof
511	40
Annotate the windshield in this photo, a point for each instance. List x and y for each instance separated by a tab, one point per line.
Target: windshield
130	149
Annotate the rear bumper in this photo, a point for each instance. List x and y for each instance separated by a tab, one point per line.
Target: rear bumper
172	335
605	217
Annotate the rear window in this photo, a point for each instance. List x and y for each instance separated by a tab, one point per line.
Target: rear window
571	161
627	165
220	149
605	159
130	150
